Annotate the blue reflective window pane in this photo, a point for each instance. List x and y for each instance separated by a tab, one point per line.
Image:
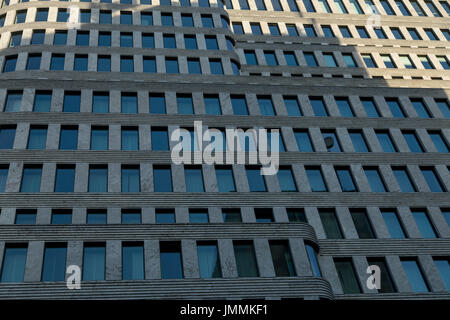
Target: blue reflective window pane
403	180
393	224
386	142
358	142
303	142
415	276
31	180
316	181
42	102
130	139
313	261
318	107
432	180
133	262
225	180
96	218
185	105
129	104
72	102
439	142
13	268
239	106
94	263
256	180
65	179
157	104
54	268
131	218
376	184
162	180
266	106
208	261
424	224
37	138
130	180
160	140
194	180
413	143
171	265
443	267
346	180
68	139
3	178
344	107
286	180
98	180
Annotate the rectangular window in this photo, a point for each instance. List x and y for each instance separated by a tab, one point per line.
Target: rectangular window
126	17
330	224
3	177
292	106
407	62
68	139
130	138
162	179
296	215
132	261
65	178
146	18
331	141
94	259
395	107
444	107
439	141
225	179
412	141
14	260
104	64
215	66
98	178
130	179
347	276
344	107
368	60
185	104
60	38
246	264
38	37
157	103
16	39
303	141
359	143
34	61
362	224
126	64
318	106
81	62
393	223
41	15
37	137
96	216
327	31
264	215
194	66
212	104
239	105
266	105
415	275
72	101
423	222
231	216
131	216
172	65
129	103
25	216
105	17
10	63
160	139
31	178
188	21
126	40
385	141
375	181
82	38
386	284
54	268
171	263
420	108
198	216
61	216
310	59
345	179
403	179
443	266
149	64
13	101
208	260
362	32
286	180
194	179
370	107
255	180
104	39
281	258
165	216
432	179
42	101
250	57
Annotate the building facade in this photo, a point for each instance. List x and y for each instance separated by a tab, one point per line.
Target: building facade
91	92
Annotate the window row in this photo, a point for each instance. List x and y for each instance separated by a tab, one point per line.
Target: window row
215	104
144	18
384	7
129	40
138	178
343	60
342	31
183	3
124	63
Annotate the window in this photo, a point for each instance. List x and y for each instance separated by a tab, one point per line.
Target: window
94	259
61	216
207	21
105	17
81	62
3	177
171	65
231	216
315	179
250	57
7	137
387	61
430	34
68	139
146	18
414	34
349	60
157	104
104	63
292	30
185	104
149	64
443	61
25	216
166	19
432	180
286	180
344	107
443	266
385	141
129	103
225	179
397	34
281	258
266	106
190	42
162	179
126	17
130	179
98	178
403	179
208	260
339	6
331	141
54	268
187	20
359	143
347	276
34	61
14	260
362	223
82	38
264	215
292	106
194	179
329	60
165	216
31	178
131	216
38	37
41	15
426	62
318	106
10	63
132	261
393	223
65	178
423	222
412	141
327	31
368	60
370	107
100	102
345	32
407	62
415	275
130	138
215	66
239	105
310	59
244	253
270	57
198	216
303	141
160	139
330	224
395	108
444	107
401	6
21	16
85	16
386	283
60	38
276	5
126	40
255	180
296	215
72	101
171	265
439	141
312	256
362	32
433	9
126	64
309	6
420	108
374	178
290	58
274	30
345	179
380	33
37	137
57	62
212	104
446	6
104	39
194	66
96	216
